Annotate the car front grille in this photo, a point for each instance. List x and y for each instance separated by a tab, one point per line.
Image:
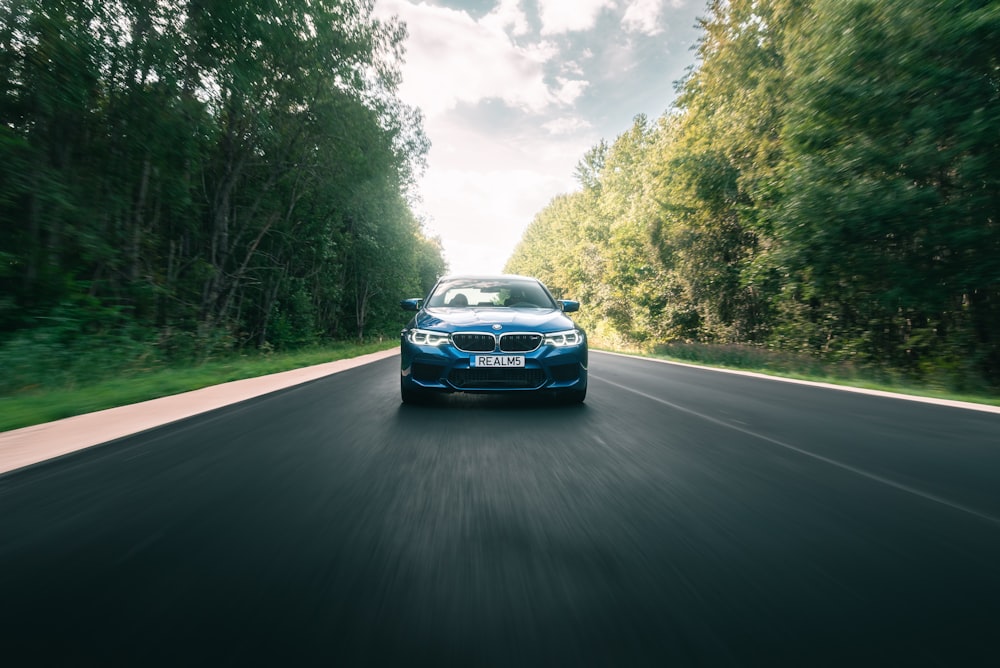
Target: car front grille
473	342
520	343
492	378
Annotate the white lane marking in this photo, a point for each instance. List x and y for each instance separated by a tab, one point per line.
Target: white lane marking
967	405
826	460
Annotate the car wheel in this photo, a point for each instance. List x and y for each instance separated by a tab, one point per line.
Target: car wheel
573	396
411	395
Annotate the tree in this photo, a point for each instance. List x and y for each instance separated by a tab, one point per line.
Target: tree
892	186
720	175
201	174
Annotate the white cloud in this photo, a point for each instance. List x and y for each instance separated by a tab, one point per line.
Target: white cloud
505	109
572	67
643	16
570	90
567	125
483	188
481	215
562	16
508	14
451	59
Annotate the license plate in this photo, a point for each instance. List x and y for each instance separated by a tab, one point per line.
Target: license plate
497	361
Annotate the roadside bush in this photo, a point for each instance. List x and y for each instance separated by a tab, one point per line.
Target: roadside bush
45	358
740	356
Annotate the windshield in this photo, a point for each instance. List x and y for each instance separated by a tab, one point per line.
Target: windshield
490	293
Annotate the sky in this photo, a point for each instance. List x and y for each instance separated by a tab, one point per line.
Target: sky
514	93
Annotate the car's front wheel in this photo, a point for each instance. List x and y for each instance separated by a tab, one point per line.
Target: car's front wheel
573	396
410	394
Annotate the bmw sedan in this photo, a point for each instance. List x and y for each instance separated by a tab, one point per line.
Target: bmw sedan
492	334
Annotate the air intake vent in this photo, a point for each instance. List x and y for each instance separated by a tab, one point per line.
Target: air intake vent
488	379
426	373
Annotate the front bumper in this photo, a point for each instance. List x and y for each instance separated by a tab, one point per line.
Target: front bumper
446	369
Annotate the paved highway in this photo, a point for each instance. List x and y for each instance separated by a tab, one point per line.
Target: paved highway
681	517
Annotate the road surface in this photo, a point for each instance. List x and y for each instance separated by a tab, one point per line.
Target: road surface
681	517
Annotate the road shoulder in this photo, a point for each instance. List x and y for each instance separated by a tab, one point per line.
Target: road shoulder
37	443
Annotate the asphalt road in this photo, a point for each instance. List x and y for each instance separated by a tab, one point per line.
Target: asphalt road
680	517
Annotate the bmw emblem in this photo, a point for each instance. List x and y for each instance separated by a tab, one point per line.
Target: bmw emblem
498	326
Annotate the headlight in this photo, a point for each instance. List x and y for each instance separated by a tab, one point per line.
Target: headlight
424	337
571	337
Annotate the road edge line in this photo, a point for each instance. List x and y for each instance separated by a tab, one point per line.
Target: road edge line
952	403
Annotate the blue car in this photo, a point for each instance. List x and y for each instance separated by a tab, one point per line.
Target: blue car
503	334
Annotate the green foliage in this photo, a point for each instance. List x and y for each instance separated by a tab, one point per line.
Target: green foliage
893	183
63	353
210	171
743	356
810	367
827	184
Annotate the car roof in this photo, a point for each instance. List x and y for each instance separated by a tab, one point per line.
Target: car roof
453	277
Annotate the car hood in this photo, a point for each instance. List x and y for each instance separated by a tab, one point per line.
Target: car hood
510	319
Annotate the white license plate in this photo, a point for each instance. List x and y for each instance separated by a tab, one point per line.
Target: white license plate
497	361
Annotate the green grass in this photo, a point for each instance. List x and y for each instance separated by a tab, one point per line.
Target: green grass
804	367
39	405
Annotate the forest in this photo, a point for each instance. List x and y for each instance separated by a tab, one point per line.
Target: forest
178	180
827	183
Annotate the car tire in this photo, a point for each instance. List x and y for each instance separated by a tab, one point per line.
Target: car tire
411	395
573	396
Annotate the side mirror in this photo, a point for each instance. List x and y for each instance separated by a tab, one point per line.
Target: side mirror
569	305
411	304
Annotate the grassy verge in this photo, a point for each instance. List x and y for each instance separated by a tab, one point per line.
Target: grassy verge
803	367
40	405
